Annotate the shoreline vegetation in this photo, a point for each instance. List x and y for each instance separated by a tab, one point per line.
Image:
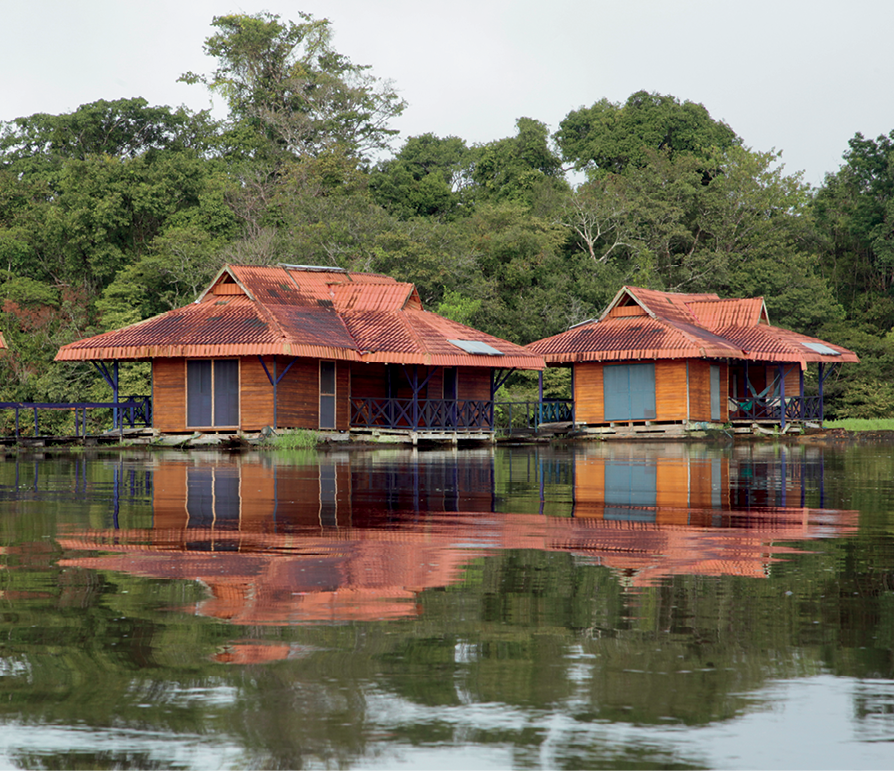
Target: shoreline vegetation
857	425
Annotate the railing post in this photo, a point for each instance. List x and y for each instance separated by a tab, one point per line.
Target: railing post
35	422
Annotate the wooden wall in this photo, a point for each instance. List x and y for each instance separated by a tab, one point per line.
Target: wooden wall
255	394
169	394
298	394
699	390
588	397
671	401
474	383
670	390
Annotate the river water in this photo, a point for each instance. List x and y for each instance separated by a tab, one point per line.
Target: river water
597	606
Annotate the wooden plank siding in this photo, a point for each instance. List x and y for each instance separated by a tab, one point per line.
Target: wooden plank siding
298	395
589	406
169	394
682	391
368	381
473	383
255	394
699	390
670	390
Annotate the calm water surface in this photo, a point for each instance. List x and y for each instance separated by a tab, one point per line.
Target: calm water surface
621	606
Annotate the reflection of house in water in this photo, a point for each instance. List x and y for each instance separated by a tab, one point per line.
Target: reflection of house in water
360	536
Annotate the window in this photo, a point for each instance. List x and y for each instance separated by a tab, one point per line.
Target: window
327	394
212	393
715	392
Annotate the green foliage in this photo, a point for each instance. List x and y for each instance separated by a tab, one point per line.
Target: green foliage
610	137
424	179
861	424
124	128
861	390
523	282
286	82
299	439
458	308
515	168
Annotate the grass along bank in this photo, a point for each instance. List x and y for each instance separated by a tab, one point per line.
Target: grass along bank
861	424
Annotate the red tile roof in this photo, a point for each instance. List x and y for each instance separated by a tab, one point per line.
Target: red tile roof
300	311
646	324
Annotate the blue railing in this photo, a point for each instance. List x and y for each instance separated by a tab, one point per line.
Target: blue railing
422	414
529	415
129	412
770	408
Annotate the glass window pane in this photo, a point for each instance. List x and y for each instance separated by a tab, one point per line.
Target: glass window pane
198	393
226	393
327	377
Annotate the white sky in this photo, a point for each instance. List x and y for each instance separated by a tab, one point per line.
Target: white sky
801	76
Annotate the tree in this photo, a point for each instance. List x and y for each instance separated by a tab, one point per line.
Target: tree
124	128
301	97
613	137
854	211
520	273
425	178
514	168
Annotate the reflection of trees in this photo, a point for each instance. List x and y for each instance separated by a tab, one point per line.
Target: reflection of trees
82	759
526	634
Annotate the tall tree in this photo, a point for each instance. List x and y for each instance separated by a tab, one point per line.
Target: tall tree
515	168
613	137
425	178
854	211
286	82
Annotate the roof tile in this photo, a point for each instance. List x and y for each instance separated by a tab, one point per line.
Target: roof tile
680	325
249	311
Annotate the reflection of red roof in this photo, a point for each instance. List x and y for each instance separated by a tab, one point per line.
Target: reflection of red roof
648	324
258	578
300	311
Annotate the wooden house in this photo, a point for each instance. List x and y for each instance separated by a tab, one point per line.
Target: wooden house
313	348
655	360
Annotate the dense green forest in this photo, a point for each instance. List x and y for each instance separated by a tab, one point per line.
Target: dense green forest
122	210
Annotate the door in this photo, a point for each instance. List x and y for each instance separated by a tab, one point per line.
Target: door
212	393
629	391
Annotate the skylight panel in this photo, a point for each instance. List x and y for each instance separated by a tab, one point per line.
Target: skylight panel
476	347
821	348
